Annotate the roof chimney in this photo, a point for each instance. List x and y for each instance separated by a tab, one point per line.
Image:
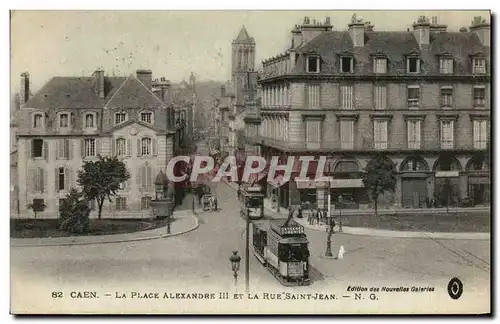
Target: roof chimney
421	30
309	30
357	31
435	27
222	91
146	77
24	92
482	28
99	83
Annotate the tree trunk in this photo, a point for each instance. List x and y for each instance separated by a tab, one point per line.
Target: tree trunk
100	203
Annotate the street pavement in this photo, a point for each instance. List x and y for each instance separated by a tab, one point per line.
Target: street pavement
198	261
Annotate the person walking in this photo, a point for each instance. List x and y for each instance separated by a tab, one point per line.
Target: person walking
299	212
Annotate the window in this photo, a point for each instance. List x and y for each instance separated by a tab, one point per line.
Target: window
146	117
145	201
414	134
380	65
63	148
347	134
63	120
38	180
61	179
313	131
313	64
123	185
446	97
92	204
380	134
413	96
89	147
120	118
146	177
346	97
446	134
146	146
121	203
480	133
37	147
479	96
121	147
413	65
37	121
479	66
446	65
346	64
89	121
38	202
313	94
380	92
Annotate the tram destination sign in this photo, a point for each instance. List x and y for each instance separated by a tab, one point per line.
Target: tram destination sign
291	229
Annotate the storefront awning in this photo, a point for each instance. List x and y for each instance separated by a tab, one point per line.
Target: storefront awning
305	184
479	180
346	183
447	174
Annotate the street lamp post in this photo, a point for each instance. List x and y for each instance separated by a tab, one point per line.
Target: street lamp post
235	265
328	252
340	213
247	252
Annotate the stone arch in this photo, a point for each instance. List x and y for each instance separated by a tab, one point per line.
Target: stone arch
414	163
371	161
346	164
447	163
477	163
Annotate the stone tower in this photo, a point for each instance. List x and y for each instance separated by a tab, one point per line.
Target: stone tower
243	62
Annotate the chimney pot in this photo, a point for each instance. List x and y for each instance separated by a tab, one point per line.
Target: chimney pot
24	92
146	77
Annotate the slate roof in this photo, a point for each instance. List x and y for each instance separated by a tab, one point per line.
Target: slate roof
73	92
132	93
395	46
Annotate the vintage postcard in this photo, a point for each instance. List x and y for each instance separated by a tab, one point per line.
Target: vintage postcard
250	162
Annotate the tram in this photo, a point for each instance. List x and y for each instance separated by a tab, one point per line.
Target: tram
283	248
251	202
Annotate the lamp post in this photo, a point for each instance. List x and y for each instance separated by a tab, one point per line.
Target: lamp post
247	252
340	213
235	266
328	252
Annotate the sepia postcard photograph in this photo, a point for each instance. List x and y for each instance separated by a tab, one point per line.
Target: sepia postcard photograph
250	162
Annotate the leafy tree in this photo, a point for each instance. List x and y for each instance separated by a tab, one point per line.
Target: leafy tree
100	179
74	213
380	176
37	206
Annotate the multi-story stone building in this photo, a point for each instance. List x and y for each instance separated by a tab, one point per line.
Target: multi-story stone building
73	119
422	96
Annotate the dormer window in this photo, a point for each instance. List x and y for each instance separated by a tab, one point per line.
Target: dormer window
380	65
63	120
89	121
346	64
120	117
478	65
446	65
312	63
412	65
37	121
147	117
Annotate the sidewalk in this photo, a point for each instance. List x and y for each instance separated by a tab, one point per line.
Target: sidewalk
385	233
184	221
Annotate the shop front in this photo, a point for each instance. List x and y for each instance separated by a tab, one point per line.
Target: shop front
415	176
478	181
447	181
347	182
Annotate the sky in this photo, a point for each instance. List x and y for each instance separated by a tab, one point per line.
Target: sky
170	43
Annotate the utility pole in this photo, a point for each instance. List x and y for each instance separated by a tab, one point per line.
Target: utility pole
247	253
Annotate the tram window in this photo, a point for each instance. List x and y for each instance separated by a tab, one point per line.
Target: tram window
254	202
297	252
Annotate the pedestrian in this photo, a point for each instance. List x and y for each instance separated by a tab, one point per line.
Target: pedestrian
299	212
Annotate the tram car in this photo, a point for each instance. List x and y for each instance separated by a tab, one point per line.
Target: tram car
251	202
283	249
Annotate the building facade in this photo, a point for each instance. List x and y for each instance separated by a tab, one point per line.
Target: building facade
422	96
73	119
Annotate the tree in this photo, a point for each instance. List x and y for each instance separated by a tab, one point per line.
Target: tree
100	179
380	176
37	206
74	213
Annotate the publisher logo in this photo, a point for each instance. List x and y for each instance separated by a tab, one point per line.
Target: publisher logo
455	288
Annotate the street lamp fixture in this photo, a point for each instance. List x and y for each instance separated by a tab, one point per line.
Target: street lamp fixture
340	212
235	265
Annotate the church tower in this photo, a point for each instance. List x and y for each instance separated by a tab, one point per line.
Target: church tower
243	62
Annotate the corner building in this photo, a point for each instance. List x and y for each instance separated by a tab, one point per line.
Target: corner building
421	95
75	119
